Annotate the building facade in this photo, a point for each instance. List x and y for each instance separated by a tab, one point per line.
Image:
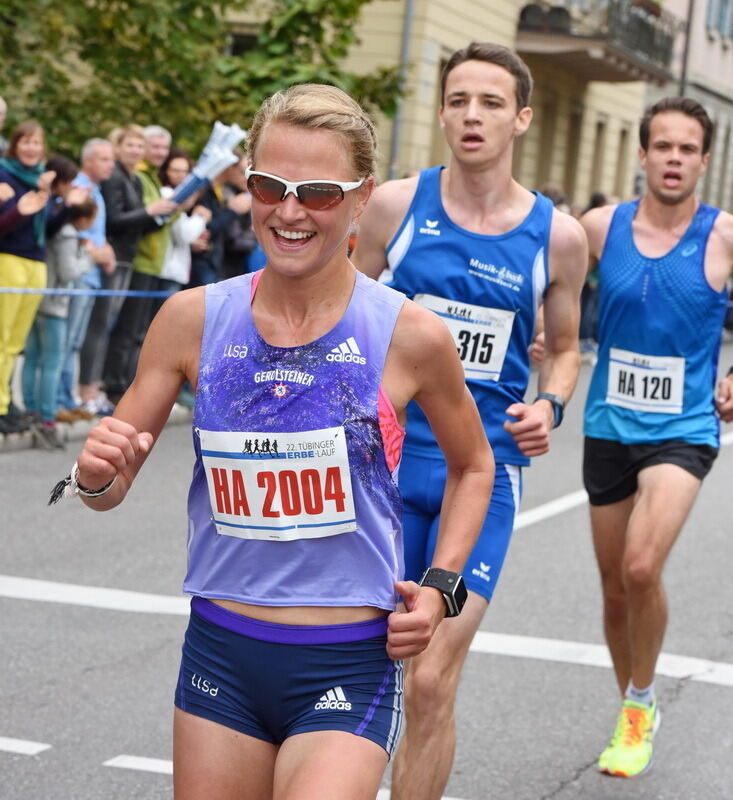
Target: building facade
592	61
704	71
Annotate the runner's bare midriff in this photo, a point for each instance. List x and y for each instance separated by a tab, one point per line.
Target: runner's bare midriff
303	615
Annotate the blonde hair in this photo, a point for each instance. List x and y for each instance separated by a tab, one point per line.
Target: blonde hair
118	134
319	107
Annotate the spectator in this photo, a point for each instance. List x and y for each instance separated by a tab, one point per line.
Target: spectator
26	218
239	238
3	140
66	259
557	195
207	264
186	231
128	219
97	163
136	312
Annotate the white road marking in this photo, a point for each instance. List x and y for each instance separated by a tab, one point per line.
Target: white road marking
726	438
566	652
22	746
158	765
551	509
596	655
91	596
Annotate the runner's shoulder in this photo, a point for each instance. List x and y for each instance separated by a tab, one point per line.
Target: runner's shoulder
419	331
393	198
724	229
568	242
596	223
183	312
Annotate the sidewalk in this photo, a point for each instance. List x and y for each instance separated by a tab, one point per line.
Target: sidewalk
77	431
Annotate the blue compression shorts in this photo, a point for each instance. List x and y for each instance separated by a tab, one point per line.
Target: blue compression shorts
272	681
422	482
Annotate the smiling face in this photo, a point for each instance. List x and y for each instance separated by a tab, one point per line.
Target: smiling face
479	115
297	240
130	151
673	161
31	149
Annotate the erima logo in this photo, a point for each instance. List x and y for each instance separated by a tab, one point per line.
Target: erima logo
203	685
333	700
347	352
689	250
430	228
482	573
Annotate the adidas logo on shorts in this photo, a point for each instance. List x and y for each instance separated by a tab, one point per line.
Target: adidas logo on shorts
333	700
347	352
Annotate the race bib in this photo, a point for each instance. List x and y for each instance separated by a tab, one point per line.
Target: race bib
481	334
645	383
279	486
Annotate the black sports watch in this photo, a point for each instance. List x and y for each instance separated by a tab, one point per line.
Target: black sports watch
450	585
558	406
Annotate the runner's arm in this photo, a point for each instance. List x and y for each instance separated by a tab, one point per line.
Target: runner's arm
428	370
557	349
118	445
381	219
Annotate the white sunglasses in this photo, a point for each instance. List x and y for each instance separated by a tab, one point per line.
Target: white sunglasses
314	195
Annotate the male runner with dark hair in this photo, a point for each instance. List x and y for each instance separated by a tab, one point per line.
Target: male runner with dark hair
484	253
650	424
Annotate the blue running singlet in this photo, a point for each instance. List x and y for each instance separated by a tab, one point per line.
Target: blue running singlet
487	290
659	337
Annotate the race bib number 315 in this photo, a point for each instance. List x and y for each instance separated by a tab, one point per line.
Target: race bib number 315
279	487
481	334
645	383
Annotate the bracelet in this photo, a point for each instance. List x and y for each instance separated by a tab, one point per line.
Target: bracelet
70	487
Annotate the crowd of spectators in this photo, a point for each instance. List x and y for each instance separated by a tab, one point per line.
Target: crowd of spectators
109	223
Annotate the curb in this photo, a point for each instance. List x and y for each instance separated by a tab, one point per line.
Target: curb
77	431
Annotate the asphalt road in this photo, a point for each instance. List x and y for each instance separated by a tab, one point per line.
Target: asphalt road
82	685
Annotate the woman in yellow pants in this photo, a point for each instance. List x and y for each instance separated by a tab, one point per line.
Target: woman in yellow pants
26	218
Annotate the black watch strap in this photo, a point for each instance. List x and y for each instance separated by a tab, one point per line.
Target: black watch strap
558	406
450	585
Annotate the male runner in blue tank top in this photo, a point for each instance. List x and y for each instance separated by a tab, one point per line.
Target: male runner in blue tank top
481	251
650	423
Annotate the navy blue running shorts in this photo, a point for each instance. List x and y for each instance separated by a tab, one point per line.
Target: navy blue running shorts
272	681
611	469
422	482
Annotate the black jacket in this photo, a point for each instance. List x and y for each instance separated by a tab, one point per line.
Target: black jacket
127	219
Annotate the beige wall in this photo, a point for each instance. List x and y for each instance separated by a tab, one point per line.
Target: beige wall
710	82
439	27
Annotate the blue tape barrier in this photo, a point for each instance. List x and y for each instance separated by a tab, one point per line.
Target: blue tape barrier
86	292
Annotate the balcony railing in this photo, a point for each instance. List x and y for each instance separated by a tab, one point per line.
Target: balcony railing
637	29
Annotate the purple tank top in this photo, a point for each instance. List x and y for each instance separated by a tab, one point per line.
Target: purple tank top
293	500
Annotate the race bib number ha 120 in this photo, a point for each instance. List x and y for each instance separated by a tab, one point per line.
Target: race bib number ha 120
279	486
645	383
481	334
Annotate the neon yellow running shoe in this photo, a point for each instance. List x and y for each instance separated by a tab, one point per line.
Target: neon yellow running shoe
631	752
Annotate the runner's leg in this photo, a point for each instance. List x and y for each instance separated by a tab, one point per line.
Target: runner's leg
666	496
213	762
424	757
328	765
608	524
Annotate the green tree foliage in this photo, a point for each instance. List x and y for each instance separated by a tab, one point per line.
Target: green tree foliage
81	67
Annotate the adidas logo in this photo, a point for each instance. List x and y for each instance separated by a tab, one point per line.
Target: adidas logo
347	352
333	700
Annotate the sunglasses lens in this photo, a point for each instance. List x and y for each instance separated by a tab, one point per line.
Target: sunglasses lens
319	196
266	190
